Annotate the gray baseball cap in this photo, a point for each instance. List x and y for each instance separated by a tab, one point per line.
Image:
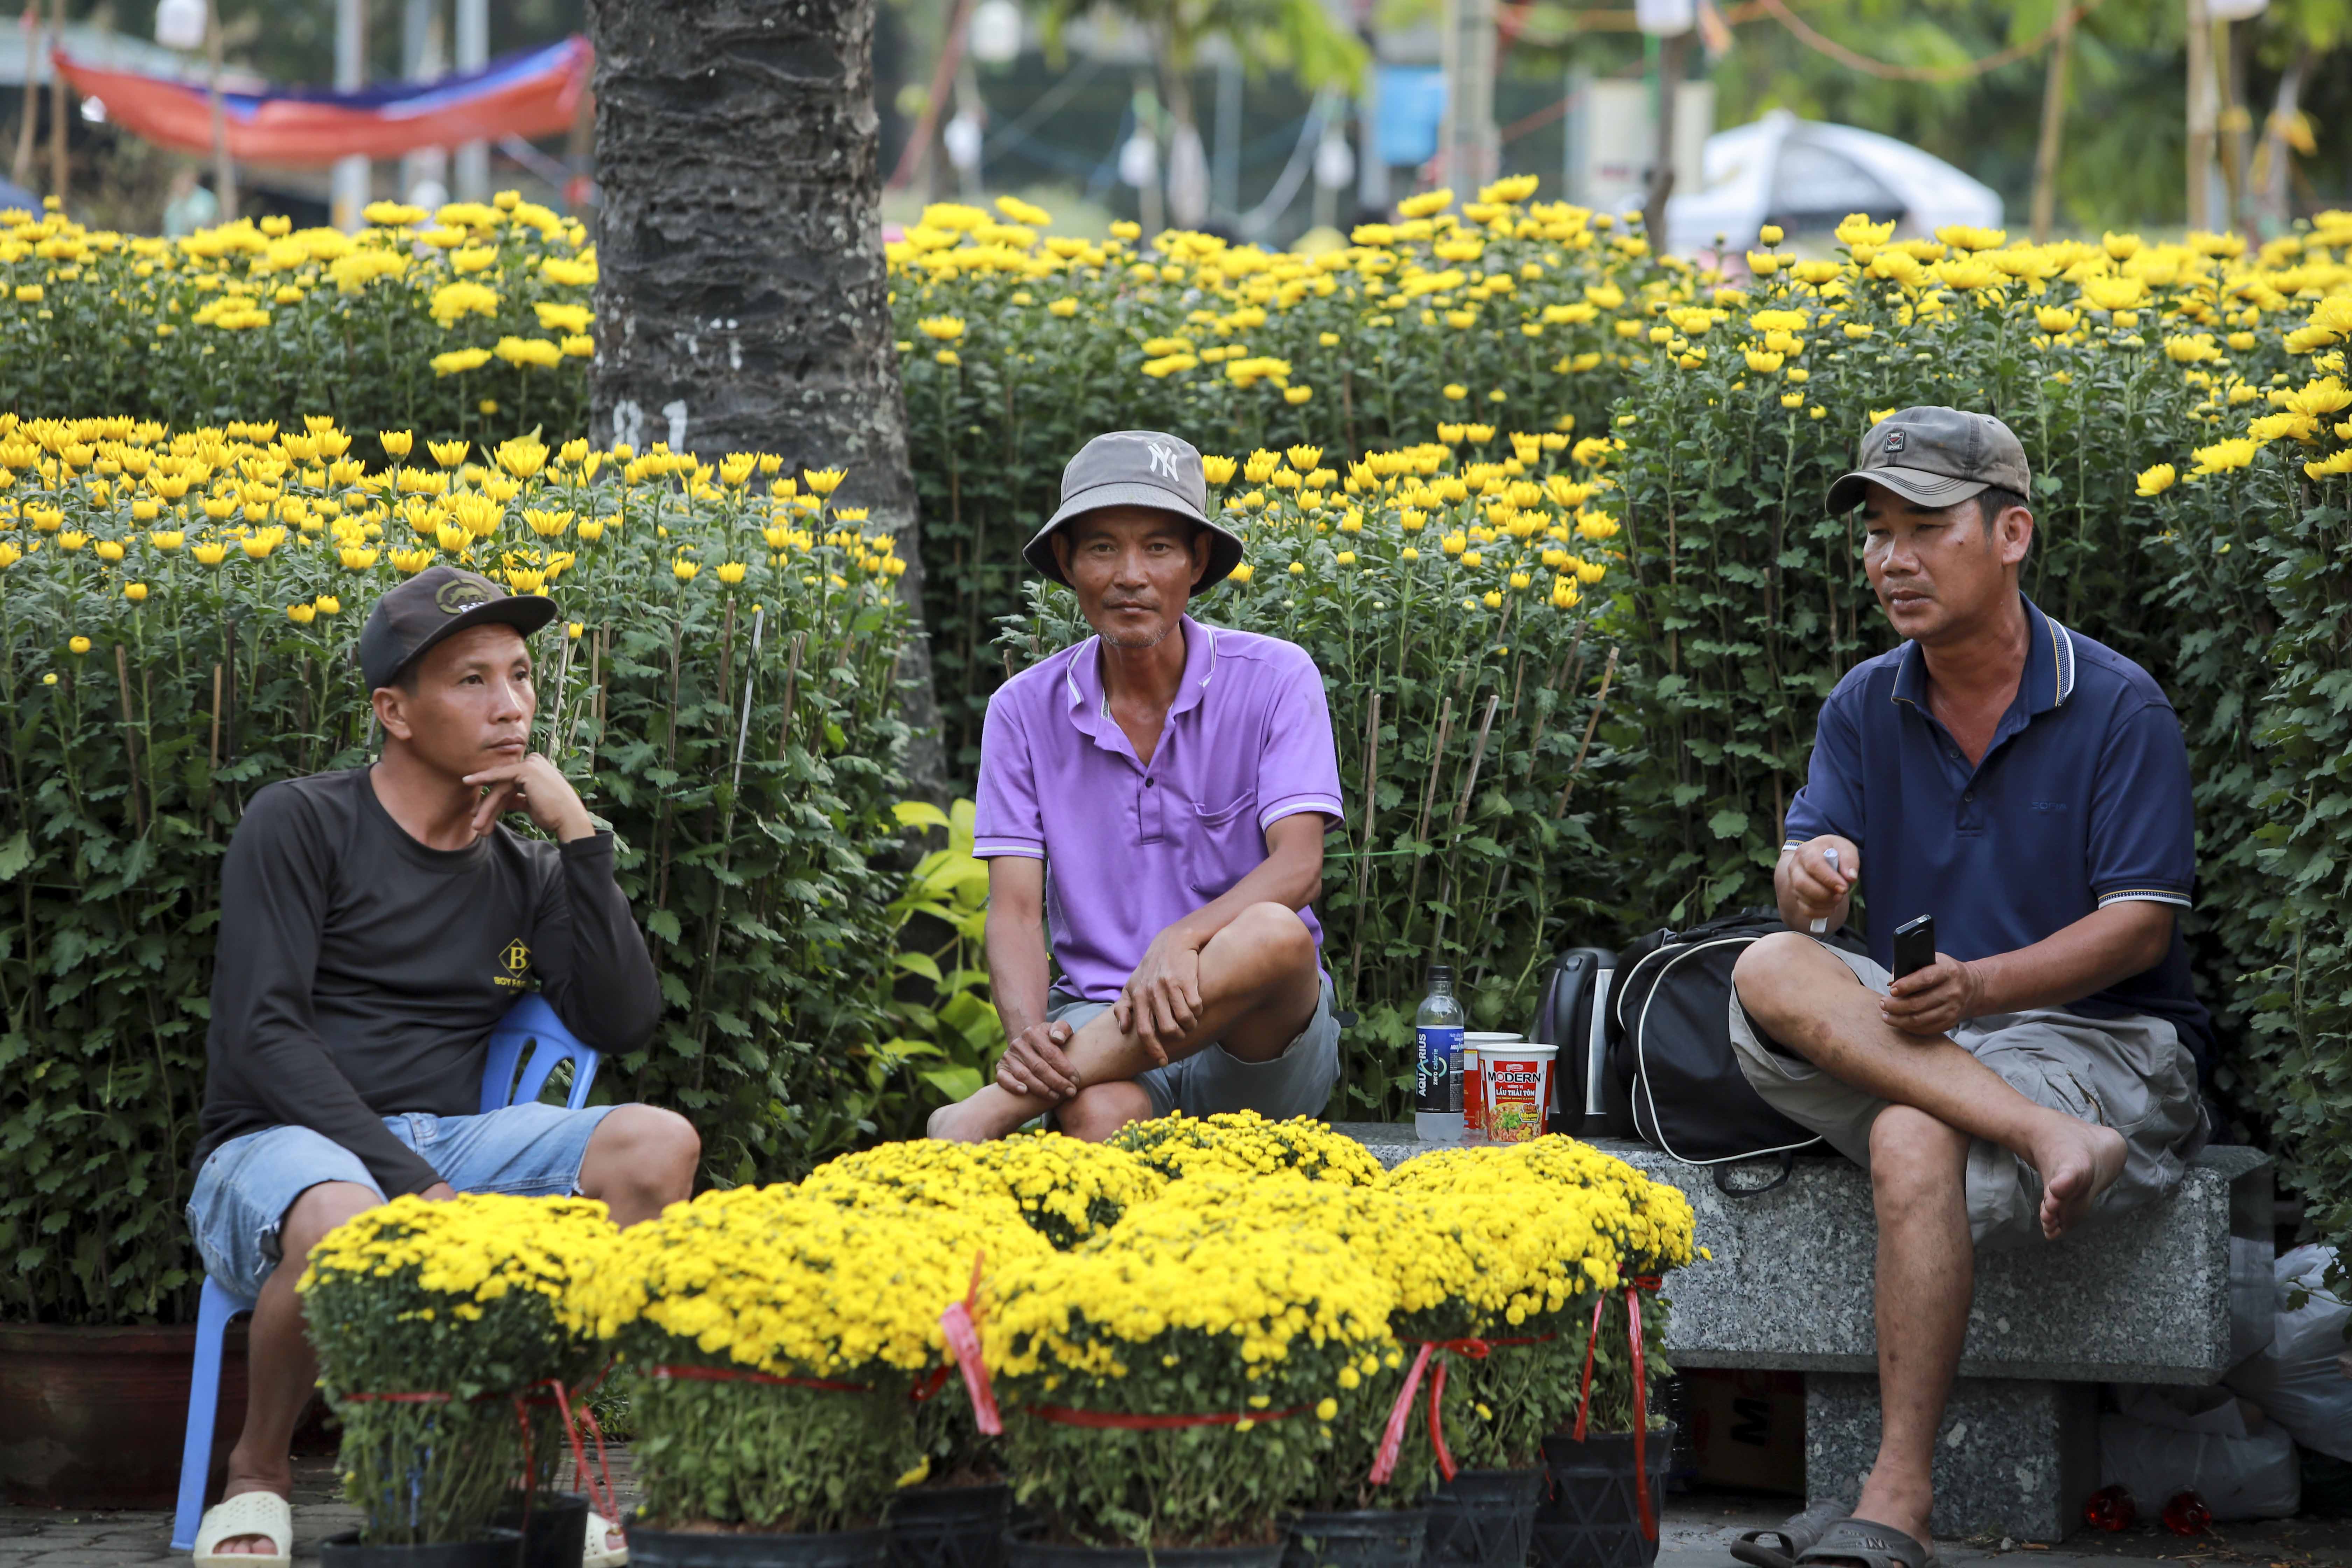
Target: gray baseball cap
433	606
1138	467
1935	457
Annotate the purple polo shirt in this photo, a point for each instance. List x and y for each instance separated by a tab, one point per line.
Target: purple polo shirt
1129	849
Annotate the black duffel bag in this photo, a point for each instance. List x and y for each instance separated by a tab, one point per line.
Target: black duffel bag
1672	1054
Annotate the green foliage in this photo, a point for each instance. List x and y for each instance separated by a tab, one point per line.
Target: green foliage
1167	340
767	1458
125	776
236	323
955	1032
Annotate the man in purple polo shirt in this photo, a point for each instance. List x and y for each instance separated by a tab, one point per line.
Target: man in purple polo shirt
1156	796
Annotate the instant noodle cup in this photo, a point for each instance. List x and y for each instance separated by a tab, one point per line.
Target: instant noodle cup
1515	1087
1475	1044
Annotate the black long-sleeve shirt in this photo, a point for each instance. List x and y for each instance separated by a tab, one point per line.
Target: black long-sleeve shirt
359	973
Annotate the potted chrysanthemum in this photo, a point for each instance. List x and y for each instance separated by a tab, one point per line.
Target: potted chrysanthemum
1608	1466
1169	1386
774	1341
1061	1189
1245	1143
1344	1517
436	1324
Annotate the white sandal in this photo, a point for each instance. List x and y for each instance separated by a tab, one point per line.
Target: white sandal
250	1513
597	1555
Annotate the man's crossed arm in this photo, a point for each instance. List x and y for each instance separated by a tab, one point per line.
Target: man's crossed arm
2104	946
1161	999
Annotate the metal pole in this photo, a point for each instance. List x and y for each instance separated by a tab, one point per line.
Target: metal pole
60	119
2202	112
1225	183
353	174
473	166
223	166
1371	169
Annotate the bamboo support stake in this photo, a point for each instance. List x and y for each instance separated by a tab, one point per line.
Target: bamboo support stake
1563	680
1428	798
1477	756
792	690
743	730
1372	822
555	712
129	734
1462	811
1599	701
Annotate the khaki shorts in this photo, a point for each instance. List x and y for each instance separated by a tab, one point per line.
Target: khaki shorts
1213	1079
2132	1074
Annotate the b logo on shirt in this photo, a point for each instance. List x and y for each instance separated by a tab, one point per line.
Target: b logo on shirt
516	958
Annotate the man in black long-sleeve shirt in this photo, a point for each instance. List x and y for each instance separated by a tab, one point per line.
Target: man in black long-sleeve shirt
375	924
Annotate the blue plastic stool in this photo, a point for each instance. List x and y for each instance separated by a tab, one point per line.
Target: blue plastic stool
528	1045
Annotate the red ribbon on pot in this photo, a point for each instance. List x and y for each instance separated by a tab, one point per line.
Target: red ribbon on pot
960	1324
604	1499
1061	1414
1634	1287
1392	1437
736	1374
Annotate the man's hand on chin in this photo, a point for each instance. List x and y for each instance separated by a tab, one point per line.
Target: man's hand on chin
534	784
1162	1000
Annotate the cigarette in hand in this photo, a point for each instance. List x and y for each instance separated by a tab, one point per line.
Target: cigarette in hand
1821	922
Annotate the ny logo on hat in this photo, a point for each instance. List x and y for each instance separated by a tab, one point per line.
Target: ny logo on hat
1895	440
1163	461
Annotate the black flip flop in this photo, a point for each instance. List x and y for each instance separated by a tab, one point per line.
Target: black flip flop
1870	1544
1796	1535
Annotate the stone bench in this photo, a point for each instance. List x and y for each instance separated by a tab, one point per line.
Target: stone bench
2153	1297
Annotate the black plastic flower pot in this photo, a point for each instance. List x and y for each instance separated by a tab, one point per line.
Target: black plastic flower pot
1482	1519
1593	1519
554	1534
950	1527
1362	1538
1024	1550
497	1549
813	1549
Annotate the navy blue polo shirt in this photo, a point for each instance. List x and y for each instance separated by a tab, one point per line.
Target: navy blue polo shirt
2082	801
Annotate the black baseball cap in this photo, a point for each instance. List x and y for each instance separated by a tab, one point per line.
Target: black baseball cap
437	603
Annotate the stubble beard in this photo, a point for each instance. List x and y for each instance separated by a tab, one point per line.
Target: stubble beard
1137	642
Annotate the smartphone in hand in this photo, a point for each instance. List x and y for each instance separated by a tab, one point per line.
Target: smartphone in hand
1915	946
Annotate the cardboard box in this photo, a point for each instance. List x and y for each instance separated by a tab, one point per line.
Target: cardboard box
1748	1427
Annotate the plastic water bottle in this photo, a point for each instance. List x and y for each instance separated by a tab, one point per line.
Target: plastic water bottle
1437	1055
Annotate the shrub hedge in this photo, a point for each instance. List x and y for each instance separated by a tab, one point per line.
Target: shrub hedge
2179	403
179	615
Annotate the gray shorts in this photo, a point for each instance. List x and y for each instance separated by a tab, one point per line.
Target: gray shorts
1295	1083
2132	1074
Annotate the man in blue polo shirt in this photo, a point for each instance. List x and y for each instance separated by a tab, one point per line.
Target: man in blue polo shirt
2029	788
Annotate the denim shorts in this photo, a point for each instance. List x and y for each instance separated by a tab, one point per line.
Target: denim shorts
248	1183
1213	1079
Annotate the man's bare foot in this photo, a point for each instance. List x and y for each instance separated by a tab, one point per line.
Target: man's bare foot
957	1123
237	1484
2079	1161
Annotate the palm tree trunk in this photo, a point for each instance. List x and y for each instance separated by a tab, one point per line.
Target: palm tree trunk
742	303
